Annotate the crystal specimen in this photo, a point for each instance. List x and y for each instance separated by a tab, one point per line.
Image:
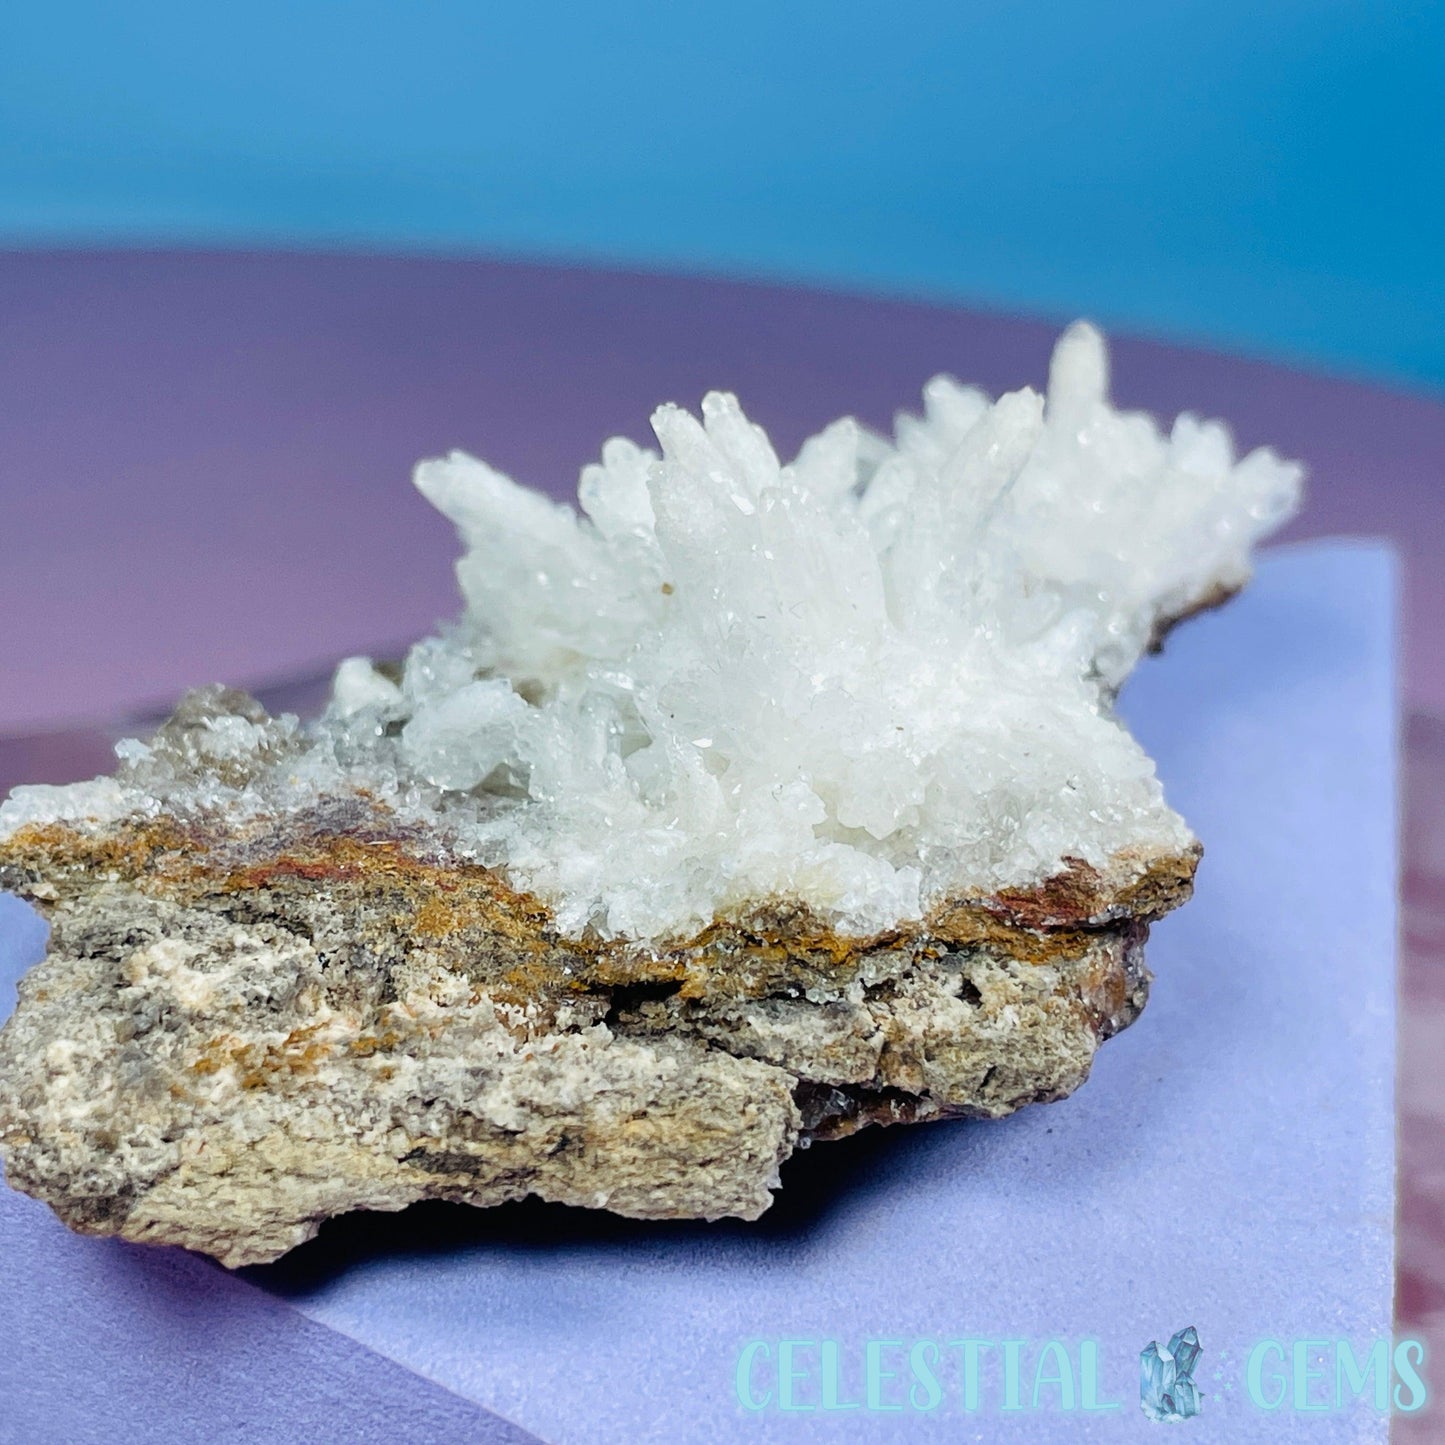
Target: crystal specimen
757	803
1167	1390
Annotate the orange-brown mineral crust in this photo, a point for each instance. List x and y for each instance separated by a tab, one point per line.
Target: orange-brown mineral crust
241	1031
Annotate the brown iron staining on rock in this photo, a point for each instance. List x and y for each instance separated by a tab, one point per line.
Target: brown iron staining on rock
240	1031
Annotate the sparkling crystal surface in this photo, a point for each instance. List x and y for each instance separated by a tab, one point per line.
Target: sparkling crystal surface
873	677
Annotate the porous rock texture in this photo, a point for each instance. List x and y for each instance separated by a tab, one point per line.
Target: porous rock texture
239	1032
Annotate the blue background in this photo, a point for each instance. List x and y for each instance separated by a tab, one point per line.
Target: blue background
1265	175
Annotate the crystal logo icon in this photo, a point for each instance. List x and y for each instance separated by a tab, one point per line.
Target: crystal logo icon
1166	1377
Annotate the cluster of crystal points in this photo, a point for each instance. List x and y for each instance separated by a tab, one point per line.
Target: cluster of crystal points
1167	1391
874	677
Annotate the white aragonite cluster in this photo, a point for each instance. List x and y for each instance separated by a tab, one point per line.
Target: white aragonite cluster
755	805
874	677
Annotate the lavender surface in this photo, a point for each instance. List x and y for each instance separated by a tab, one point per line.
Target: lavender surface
1257	1087
246	423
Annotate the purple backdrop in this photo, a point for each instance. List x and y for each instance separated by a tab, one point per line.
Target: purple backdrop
203	475
204	458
